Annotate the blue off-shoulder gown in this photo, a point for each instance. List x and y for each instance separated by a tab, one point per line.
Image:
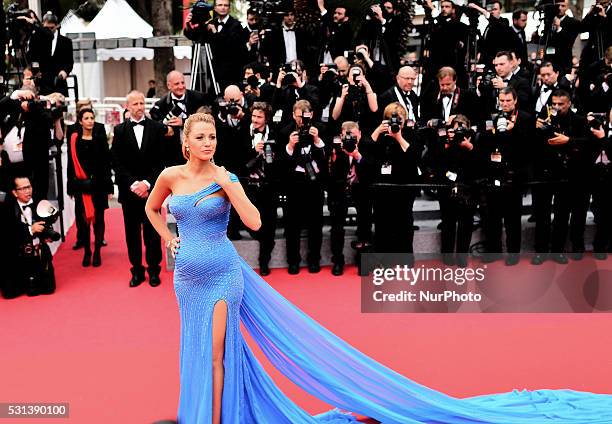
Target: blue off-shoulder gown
208	270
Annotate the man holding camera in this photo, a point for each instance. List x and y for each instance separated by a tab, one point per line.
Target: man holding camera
357	100
225	35
381	32
173	109
505	77
31	262
305	157
560	169
548	82
563	33
496	35
598	24
501	153
336	33
292	85
350	176
286	43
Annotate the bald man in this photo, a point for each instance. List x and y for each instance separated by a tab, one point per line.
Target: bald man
403	93
173	109
138	159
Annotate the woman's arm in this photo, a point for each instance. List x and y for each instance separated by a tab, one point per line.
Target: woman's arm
160	191
246	210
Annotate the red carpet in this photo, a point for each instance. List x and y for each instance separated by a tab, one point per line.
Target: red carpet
112	351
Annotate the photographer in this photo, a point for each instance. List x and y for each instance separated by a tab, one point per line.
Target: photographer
598	24
502	154
357	101
26	235
563	34
306	171
262	169
454	163
336	35
285	43
225	36
292	85
53	52
495	37
560	171
505	77
548	82
173	109
601	176
351	167
379	74
256	82
381	33
517	36
596	85
396	162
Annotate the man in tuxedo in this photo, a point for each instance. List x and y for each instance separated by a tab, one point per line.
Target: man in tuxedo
138	159
173	109
448	100
505	78
253	35
381	33
336	33
53	52
402	92
495	36
549	81
598	23
285	43
563	34
517	34
293	86
31	267
226	38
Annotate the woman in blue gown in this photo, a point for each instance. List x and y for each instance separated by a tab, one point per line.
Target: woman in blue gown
222	381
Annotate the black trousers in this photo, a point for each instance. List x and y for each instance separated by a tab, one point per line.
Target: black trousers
265	198
603	233
580	193
83	227
457	223
304	210
338	203
504	205
393	219
137	227
550	235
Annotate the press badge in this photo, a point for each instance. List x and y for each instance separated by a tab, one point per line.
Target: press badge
451	176
496	157
385	169
497	183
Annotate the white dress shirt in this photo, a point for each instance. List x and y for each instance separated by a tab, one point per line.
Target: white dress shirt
290	44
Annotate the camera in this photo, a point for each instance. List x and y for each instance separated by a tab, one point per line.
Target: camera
461	133
289	78
487	79
48	214
200	11
359	53
502	122
58	110
395	123
349	142
252	82
597	121
548	129
268	151
229	108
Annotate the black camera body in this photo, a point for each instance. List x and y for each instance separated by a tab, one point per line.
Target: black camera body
395	123
48	214
598	120
548	129
349	143
200	11
461	133
487	79
229	108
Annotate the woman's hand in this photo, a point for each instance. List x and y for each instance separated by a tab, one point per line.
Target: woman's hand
174	245
222	176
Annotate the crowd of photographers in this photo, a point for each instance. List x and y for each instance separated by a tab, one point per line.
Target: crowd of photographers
306	111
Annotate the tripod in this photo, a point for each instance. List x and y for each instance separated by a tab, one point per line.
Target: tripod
202	71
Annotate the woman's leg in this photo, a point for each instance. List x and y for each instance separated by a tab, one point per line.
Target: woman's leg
219	324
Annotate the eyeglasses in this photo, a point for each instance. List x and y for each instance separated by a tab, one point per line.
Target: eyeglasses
28	187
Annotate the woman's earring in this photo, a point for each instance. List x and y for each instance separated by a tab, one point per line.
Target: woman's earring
187	148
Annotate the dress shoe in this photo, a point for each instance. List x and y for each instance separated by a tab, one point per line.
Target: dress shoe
448	259
136	280
600	256
337	269
264	270
559	258
104	243
293	269
97	259
513	259
538	259
154	280
462	260
314	267
78	245
415	228
577	256
488	258
86	258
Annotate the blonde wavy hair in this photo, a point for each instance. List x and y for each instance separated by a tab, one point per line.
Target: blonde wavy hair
206	118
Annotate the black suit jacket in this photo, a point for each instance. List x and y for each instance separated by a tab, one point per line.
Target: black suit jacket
523	89
495	39
133	164
274	46
51	65
335	38
371	33
390	96
517	44
468	104
563	41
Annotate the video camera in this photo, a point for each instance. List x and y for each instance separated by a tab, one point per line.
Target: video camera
270	12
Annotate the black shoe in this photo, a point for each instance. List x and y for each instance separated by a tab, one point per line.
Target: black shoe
78	245
415	228
538	259
577	256
86	258
448	259
600	256
488	258
294	269
264	270
439	226
513	259
559	258
97	259
154	280
462	260
314	267
104	243
337	269
136	279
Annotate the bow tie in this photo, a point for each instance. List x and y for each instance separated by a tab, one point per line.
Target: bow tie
448	95
134	123
289	29
177	101
220	23
257	132
29	205
546	88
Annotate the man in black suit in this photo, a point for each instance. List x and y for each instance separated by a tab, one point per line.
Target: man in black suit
381	33
31	268
549	81
285	43
53	52
402	92
505	78
517	34
336	33
495	37
448	100
226	38
598	23
138	159
173	109
293	86
563	33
